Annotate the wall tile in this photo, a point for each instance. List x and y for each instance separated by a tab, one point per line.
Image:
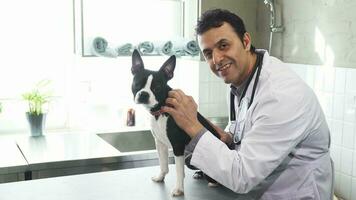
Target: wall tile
338	107
204	93
336	156
346	161
327	104
337	183
350	81
345	186
204	72
204	109
336	130
310	76
348	135
329	79
354	165
350	108
353	189
319	79
340	80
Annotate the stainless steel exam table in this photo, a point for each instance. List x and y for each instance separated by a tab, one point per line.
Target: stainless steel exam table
132	184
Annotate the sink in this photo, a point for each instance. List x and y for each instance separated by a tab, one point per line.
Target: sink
130	141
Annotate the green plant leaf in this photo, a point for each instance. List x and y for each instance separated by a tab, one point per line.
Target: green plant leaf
38	97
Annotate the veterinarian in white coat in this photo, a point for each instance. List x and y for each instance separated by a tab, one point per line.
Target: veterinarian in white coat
280	133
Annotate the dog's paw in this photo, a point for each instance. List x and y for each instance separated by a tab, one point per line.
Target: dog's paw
158	178
177	192
198	175
210	184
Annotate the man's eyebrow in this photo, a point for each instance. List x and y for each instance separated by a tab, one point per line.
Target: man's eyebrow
223	40
206	51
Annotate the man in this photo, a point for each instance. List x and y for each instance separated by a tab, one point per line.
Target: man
280	133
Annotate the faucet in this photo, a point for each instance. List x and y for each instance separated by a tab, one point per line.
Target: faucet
272	23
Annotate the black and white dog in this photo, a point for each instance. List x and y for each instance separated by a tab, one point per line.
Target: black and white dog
150	88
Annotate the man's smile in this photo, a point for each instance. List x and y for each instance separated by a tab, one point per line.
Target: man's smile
224	67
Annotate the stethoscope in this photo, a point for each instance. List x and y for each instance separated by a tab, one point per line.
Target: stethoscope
238	124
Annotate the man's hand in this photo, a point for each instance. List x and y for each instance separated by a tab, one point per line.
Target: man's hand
184	111
224	136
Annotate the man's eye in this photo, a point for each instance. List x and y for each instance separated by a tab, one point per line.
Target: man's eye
222	46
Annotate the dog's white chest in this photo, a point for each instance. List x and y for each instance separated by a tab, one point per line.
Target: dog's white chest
159	129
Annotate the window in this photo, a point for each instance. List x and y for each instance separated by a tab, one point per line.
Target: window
126	21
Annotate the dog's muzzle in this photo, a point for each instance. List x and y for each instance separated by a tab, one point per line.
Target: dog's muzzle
143	97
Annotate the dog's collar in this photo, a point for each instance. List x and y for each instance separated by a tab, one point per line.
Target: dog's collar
156	113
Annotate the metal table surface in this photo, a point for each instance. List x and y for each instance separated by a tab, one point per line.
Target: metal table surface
132	184
57	150
12	161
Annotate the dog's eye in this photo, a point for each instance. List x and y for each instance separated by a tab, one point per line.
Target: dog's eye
157	88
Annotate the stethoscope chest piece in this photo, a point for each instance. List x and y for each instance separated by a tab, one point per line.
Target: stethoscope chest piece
237	127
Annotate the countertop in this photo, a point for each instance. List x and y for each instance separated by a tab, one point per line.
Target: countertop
132	184
11	160
61	148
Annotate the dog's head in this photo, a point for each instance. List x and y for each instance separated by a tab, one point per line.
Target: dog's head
150	87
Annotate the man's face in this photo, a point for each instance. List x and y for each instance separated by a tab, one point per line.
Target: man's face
226	54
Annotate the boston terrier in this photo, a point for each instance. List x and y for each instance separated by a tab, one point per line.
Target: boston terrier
150	89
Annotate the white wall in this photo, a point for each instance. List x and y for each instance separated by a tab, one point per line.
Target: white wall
318	32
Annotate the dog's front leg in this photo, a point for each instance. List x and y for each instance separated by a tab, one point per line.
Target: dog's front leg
179	189
162	150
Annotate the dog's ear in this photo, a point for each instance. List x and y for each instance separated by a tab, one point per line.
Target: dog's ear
137	63
168	67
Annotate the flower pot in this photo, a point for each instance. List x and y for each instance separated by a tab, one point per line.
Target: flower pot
36	122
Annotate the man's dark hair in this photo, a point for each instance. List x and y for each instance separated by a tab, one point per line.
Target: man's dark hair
216	17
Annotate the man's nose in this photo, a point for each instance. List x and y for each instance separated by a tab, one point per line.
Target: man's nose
217	58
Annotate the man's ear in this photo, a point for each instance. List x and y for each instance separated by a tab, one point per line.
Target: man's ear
137	63
168	67
247	41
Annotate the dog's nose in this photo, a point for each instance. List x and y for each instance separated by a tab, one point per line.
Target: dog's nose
143	97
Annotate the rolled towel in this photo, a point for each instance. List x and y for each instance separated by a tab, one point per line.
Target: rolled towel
179	52
125	49
191	48
164	47
146	47
100	48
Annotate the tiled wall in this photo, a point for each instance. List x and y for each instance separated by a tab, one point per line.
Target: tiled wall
212	93
336	90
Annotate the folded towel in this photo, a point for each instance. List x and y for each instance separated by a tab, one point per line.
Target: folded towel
100	48
125	49
191	48
146	47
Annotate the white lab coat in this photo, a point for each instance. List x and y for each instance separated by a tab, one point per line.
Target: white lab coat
284	153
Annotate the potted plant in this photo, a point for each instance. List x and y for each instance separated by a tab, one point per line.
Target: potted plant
36	100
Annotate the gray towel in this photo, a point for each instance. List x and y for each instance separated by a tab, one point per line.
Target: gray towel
164	47
125	49
100	48
178	52
146	47
191	48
